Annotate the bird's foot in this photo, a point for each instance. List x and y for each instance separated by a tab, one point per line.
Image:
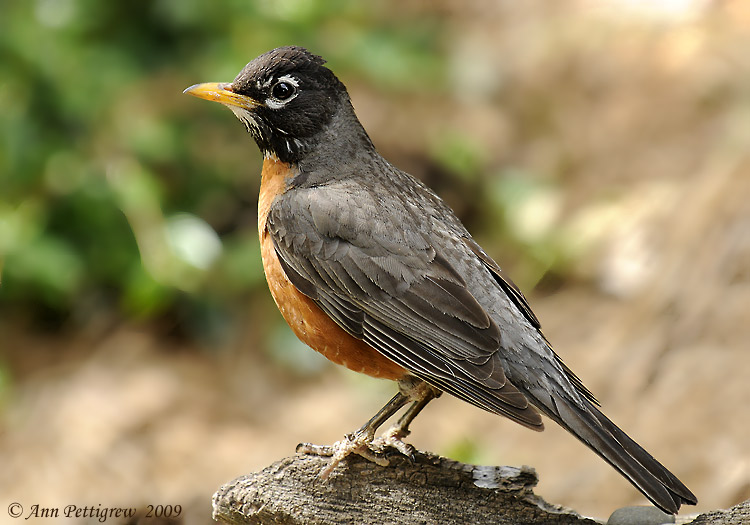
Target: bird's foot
360	442
394	438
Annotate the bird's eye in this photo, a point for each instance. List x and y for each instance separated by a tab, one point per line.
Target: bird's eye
282	90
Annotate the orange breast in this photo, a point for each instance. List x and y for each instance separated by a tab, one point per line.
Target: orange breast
306	319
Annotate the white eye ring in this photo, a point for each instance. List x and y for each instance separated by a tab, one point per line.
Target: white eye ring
275	101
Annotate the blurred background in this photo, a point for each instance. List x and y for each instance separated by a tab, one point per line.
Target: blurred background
598	150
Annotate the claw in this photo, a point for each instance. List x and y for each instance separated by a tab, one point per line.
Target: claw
356	443
315	450
393	438
363	444
362	441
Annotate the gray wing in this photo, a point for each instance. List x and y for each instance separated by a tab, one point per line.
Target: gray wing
397	280
394	288
517	297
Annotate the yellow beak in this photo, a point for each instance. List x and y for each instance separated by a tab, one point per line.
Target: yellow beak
221	93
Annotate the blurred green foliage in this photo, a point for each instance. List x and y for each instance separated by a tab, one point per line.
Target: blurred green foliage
116	197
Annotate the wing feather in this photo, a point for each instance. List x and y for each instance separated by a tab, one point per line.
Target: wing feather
409	304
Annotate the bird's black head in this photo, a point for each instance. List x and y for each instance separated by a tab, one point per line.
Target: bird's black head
286	98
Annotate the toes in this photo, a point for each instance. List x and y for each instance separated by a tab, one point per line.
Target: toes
361	443
326	472
373	456
405	448
315	450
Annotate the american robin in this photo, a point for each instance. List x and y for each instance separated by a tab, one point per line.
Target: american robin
373	270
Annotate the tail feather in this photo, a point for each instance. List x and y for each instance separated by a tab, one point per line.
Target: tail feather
659	471
612	444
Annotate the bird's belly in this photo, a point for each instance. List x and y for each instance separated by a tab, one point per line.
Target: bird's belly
316	329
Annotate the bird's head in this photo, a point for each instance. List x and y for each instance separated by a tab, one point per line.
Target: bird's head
286	98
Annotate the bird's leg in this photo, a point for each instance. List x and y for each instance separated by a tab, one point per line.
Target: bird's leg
422	394
359	441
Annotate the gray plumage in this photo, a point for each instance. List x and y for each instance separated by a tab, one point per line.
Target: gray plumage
392	265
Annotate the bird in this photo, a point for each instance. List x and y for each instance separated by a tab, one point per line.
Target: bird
373	270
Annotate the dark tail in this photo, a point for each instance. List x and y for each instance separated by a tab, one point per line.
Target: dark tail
648	475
